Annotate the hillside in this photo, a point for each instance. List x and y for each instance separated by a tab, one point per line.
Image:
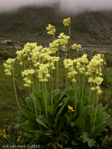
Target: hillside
29	24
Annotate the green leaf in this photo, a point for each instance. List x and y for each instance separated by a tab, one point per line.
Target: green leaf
55	93
80	123
70	92
101	128
50	109
28	114
75	142
30	127
59	112
68	120
30	104
66	100
84	137
72	124
91	142
38	101
41	123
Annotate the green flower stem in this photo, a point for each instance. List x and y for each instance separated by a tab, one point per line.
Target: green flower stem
66	78
54	36
77	54
38	86
95	113
34	101
29	90
82	90
35	105
36	79
51	92
69	30
15	91
66	52
57	66
45	99
61	123
76	96
51	89
90	90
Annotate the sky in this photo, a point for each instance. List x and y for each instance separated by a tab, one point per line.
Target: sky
65	6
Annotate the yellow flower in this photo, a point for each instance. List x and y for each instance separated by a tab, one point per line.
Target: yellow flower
67	22
76	47
4	135
90	79
3	130
98	80
99	92
93	88
70	108
106	136
27	121
51	29
19	137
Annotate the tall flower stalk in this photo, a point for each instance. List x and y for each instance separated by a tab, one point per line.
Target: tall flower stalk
15	91
95	115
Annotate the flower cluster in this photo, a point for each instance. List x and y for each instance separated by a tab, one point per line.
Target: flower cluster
96	84
39	59
63	40
24	54
76	66
76	47
51	29
43	73
67	22
3	133
9	66
27	77
94	68
54	46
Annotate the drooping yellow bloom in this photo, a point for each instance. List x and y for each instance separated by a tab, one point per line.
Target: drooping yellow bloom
9	66
26	74
70	108
51	29
76	47
98	80
67	22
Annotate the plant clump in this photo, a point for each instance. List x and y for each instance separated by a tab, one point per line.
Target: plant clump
61	118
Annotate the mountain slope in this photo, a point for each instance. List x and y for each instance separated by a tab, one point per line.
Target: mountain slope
29	24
